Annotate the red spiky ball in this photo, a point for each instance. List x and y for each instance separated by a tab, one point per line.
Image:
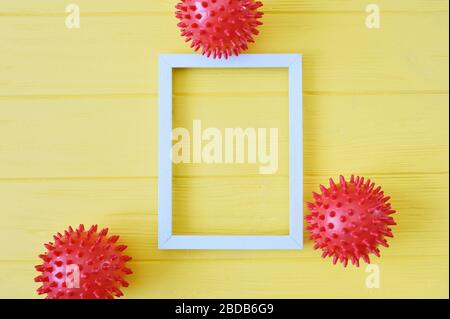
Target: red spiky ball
219	27
350	219
83	264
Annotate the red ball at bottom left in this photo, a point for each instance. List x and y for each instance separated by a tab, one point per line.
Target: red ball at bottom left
83	264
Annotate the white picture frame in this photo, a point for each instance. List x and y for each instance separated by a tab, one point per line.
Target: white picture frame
166	238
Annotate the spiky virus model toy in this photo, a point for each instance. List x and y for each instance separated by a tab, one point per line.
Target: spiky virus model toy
83	264
219	27
350	219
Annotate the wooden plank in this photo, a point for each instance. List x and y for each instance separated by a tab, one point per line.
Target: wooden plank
139	7
117	137
118	54
406	277
32	211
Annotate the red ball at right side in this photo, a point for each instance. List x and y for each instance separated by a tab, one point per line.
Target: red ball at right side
349	220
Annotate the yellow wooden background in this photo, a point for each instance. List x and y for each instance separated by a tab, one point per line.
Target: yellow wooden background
78	142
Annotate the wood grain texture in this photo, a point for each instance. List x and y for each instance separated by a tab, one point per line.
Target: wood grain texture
78	142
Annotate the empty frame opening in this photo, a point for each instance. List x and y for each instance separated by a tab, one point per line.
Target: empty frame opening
231	152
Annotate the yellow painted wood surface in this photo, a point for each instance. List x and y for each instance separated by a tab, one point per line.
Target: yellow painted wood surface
78	142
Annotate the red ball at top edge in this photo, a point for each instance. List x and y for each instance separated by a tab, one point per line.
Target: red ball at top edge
220	28
349	220
83	264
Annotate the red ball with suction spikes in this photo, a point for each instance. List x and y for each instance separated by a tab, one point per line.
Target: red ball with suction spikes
83	265
219	27
350	219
